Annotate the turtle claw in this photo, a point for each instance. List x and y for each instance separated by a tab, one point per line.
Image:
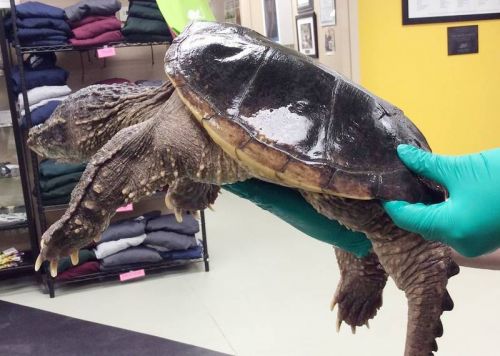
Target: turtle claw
74	258
333	304
211	207
339	324
196	215
168	203
38	263
353	329
367	324
178	215
53	268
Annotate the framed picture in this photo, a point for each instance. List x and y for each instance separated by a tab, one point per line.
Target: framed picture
431	11
327	13
307	37
305	5
329	40
270	20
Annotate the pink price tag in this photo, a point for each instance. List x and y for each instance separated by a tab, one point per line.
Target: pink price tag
127	276
106	52
128	207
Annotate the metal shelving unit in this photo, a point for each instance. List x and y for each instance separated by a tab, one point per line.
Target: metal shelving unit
28	162
28	263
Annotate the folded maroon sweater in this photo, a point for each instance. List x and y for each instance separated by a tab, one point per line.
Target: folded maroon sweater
97	28
87	20
106	37
78	271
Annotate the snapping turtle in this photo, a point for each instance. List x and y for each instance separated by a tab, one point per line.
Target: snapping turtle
245	107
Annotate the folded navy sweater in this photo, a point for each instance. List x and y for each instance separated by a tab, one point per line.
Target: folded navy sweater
37	9
38	78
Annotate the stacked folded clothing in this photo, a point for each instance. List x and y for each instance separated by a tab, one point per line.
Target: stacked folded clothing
39	70
94	22
145	23
45	84
84	256
39	25
148	239
57	180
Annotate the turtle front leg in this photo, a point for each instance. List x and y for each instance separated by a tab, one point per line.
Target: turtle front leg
359	292
137	161
127	168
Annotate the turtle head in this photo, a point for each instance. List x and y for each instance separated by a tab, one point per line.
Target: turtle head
51	139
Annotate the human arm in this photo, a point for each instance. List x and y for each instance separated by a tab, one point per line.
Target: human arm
469	220
488	261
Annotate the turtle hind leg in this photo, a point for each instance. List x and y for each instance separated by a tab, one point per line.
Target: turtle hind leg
420	268
359	292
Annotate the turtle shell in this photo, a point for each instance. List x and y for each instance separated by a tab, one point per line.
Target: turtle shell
290	120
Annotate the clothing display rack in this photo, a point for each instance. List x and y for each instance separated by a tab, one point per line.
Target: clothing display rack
28	165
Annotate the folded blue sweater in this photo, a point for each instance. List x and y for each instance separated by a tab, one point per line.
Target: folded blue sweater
38	78
37	9
31	34
40	22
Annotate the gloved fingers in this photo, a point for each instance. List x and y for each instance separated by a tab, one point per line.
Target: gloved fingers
430	221
436	167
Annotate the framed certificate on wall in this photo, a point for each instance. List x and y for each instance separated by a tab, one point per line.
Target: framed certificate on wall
432	11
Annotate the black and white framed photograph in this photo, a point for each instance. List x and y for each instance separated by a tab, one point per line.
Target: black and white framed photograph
329	40
432	11
305	5
327	15
306	34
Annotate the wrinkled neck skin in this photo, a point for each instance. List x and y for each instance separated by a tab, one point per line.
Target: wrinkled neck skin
84	122
188	150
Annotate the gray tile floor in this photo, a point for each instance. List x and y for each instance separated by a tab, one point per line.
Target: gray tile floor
268	293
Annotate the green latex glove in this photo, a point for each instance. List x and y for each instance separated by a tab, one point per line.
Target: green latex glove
469	220
289	205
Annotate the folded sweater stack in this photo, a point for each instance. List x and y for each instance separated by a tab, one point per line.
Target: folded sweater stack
39	25
45	84
148	239
94	22
57	180
145	23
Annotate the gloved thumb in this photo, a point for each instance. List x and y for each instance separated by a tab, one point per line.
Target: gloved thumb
432	166
426	220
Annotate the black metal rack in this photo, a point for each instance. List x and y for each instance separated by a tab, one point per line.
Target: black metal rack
28	161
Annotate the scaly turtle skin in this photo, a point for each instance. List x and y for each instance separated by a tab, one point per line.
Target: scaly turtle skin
264	111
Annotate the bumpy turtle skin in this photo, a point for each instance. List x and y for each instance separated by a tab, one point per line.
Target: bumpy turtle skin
420	268
359	292
90	117
136	162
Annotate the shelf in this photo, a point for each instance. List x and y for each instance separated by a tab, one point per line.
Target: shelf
151	268
70	48
26	266
14	226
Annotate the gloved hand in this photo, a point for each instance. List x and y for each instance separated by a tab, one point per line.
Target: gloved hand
469	220
289	205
